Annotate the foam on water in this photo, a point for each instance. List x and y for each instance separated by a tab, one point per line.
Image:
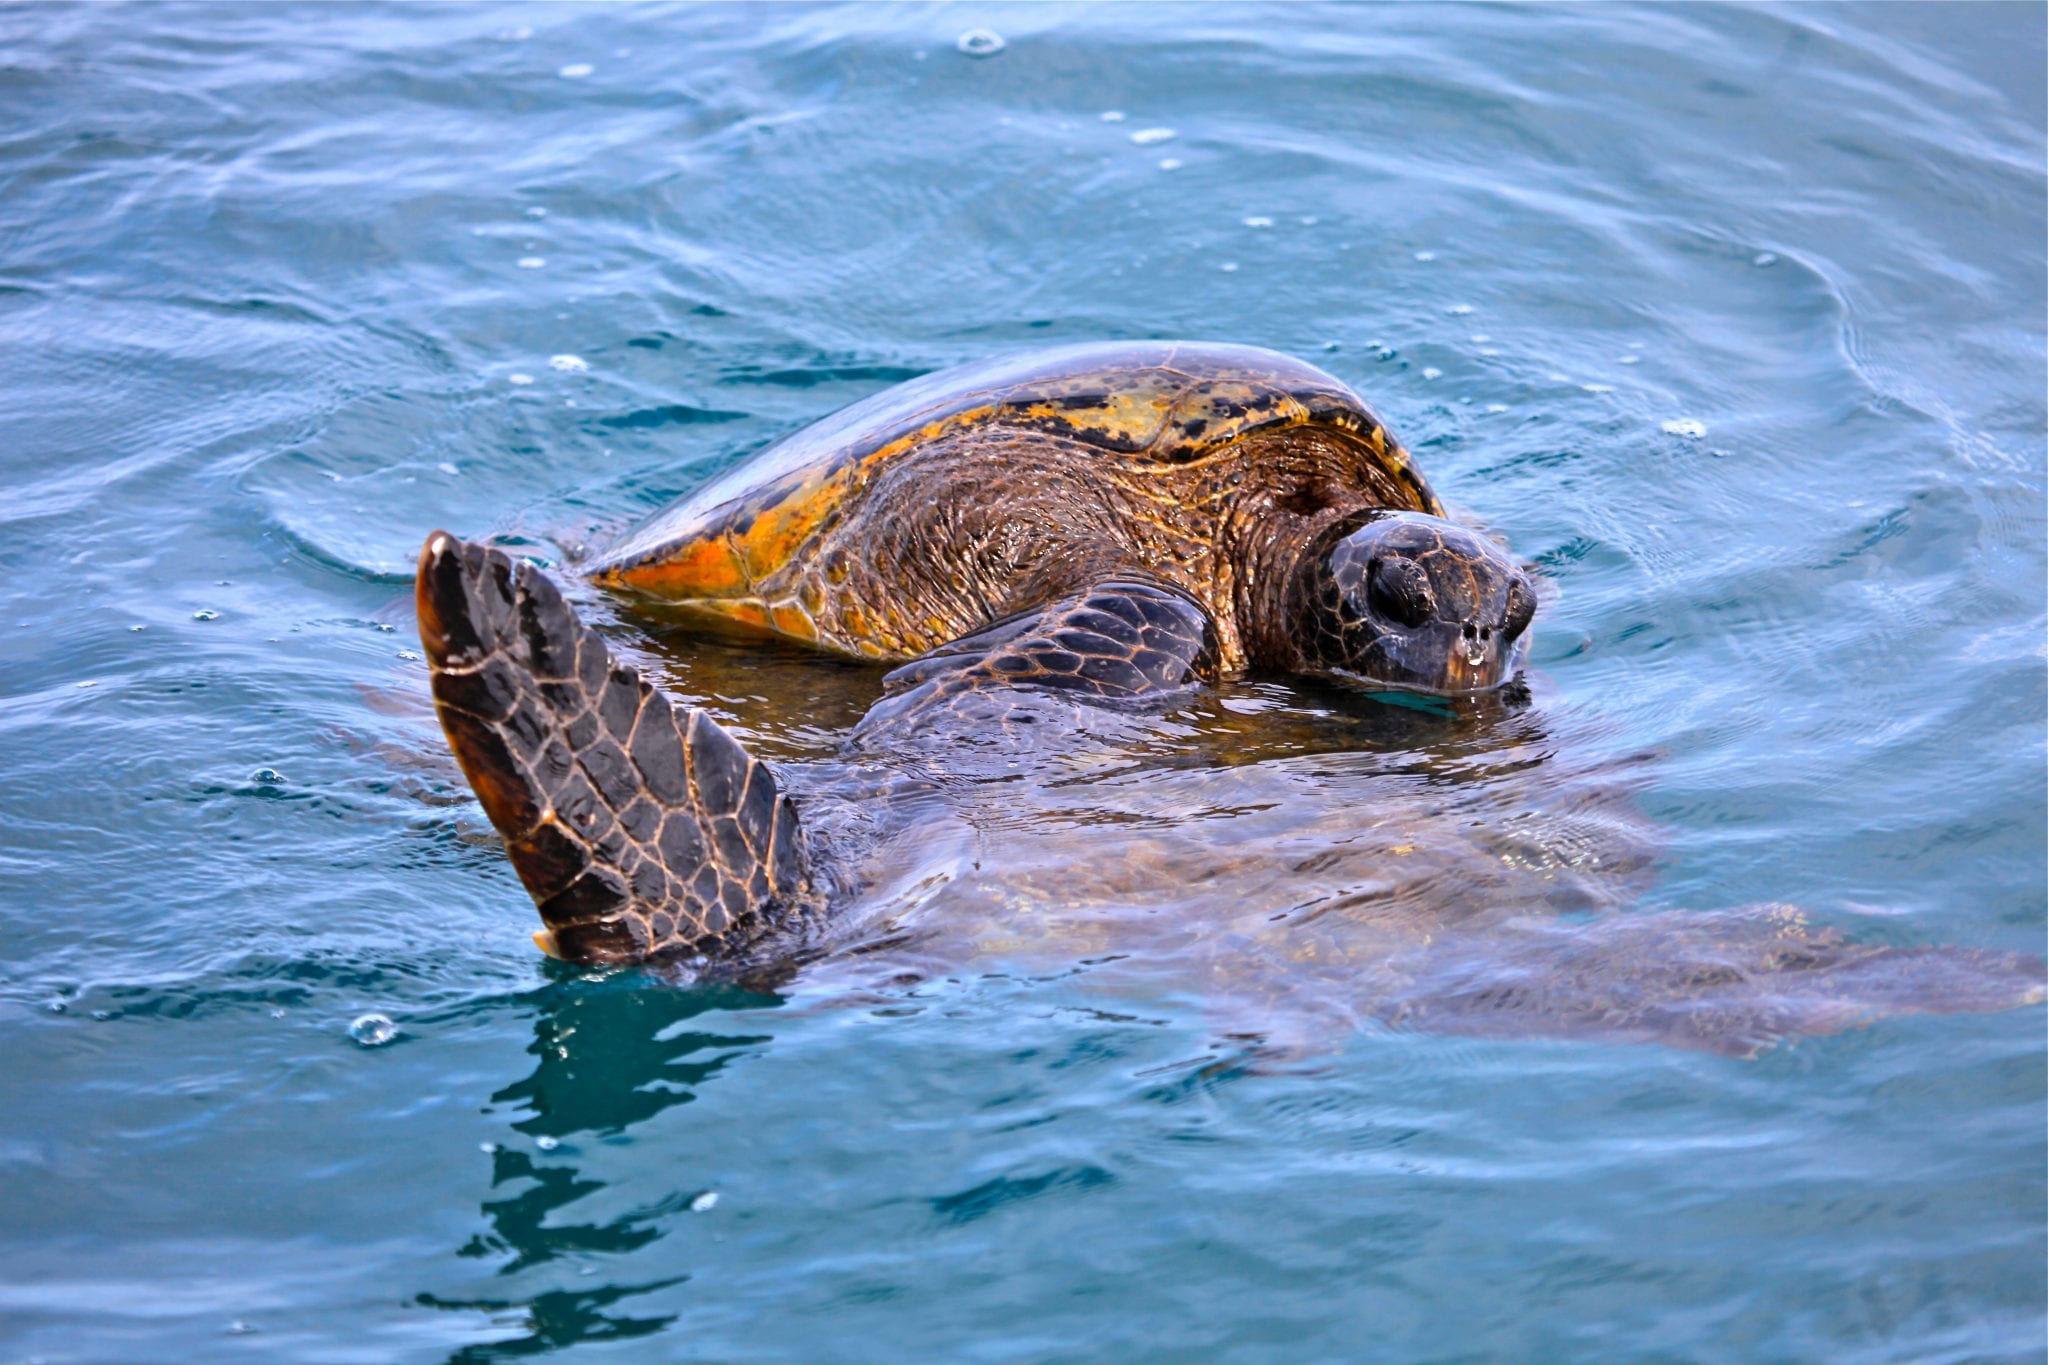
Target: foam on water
373	1030
980	42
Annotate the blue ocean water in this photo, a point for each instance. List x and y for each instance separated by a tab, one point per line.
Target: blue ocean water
1731	319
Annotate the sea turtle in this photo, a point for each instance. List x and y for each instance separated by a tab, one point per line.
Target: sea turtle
1041	542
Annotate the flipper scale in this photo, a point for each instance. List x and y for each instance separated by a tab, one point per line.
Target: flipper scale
641	829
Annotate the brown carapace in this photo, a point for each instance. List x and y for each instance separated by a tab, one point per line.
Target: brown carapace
926	512
1036	540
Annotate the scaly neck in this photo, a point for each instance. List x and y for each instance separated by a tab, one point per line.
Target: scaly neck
1273	552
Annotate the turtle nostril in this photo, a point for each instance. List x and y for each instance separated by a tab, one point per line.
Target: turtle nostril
1486	632
1471	631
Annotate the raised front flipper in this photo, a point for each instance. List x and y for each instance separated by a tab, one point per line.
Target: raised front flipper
641	828
1118	642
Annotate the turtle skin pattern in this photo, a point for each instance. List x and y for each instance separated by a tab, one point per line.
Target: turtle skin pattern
641	829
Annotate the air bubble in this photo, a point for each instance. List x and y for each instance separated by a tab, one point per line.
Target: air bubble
571	364
533	262
409	655
269	777
704	1202
373	1030
206	614
547	1143
1112	116
536	212
1258	220
1765	258
980	42
1432	372
1597	388
575	71
1227	267
1425	255
1459	310
1496	407
1170	163
1145	137
1686	427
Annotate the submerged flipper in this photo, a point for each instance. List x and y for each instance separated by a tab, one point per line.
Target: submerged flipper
1731	981
641	828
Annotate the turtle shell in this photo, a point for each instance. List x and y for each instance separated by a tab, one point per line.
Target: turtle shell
1169	403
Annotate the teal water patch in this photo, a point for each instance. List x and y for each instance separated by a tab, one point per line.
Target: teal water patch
1728	320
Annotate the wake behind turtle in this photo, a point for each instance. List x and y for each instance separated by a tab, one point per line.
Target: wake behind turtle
1047	544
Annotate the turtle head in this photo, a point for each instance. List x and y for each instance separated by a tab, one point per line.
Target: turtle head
1410	601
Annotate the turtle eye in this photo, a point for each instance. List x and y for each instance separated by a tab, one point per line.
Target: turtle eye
1398	589
1521	609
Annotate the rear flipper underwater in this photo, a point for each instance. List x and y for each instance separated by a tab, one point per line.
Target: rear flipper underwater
1733	981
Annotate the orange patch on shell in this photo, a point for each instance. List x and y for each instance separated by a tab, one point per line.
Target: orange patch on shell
747	613
700	568
784	528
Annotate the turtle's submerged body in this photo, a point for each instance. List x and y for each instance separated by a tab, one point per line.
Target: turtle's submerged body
1060	550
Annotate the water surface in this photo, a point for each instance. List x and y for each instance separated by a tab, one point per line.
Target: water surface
1729	319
